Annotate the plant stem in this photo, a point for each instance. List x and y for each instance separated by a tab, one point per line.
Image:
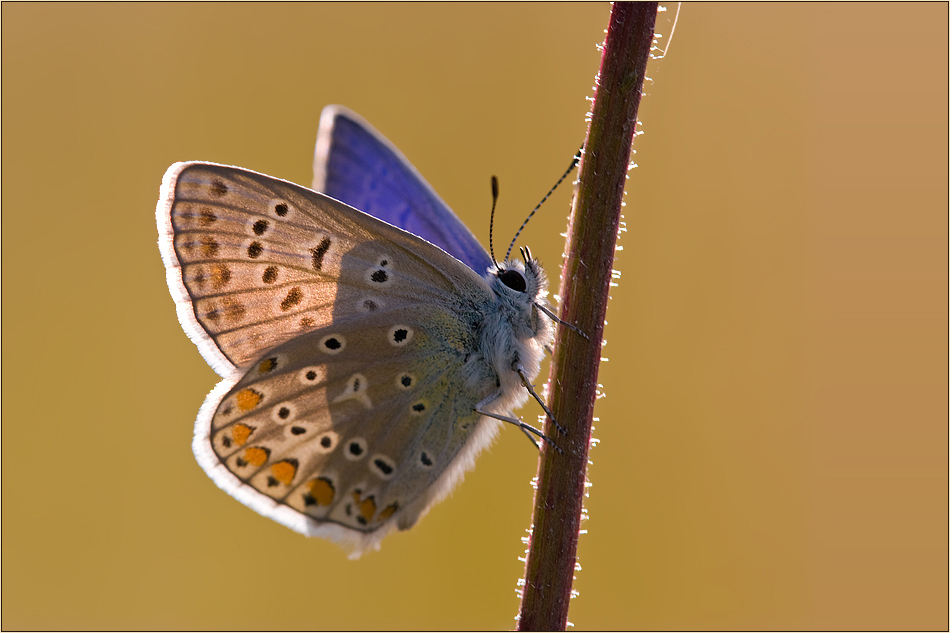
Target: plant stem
585	282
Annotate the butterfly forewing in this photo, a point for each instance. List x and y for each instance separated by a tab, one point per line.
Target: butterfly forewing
260	259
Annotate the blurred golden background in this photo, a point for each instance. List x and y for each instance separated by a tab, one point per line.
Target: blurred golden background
773	442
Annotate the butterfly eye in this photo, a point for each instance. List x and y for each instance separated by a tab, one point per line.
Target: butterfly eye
513	279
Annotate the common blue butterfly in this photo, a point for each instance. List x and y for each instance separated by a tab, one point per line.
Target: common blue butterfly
368	355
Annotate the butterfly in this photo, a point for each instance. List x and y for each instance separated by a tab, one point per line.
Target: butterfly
369	346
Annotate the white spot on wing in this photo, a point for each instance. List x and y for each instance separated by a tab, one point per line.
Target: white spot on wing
332	344
360	453
382	466
356	388
400	335
283	413
313	375
327	435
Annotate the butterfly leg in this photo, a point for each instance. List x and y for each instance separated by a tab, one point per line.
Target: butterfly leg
527	385
525	428
531	439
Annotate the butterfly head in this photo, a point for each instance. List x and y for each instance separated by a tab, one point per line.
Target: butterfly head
522	285
525	278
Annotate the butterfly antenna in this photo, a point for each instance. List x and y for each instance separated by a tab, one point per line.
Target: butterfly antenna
574	161
491	222
555	318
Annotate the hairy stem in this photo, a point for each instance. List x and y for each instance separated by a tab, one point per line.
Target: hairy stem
585	282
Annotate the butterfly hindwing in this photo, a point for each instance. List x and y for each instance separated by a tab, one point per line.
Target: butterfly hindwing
345	425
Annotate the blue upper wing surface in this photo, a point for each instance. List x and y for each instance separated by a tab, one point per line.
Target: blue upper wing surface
355	164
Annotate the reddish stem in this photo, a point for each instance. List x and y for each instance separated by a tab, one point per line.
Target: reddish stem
585	282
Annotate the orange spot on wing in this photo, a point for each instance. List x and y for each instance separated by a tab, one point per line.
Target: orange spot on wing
255	456
234	310
247	399
240	433
284	472
268	365
388	511
220	275
322	491
368	508
209	247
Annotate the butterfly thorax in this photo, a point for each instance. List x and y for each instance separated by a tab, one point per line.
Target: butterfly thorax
513	333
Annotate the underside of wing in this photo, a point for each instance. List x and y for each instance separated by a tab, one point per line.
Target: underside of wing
352	430
253	260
